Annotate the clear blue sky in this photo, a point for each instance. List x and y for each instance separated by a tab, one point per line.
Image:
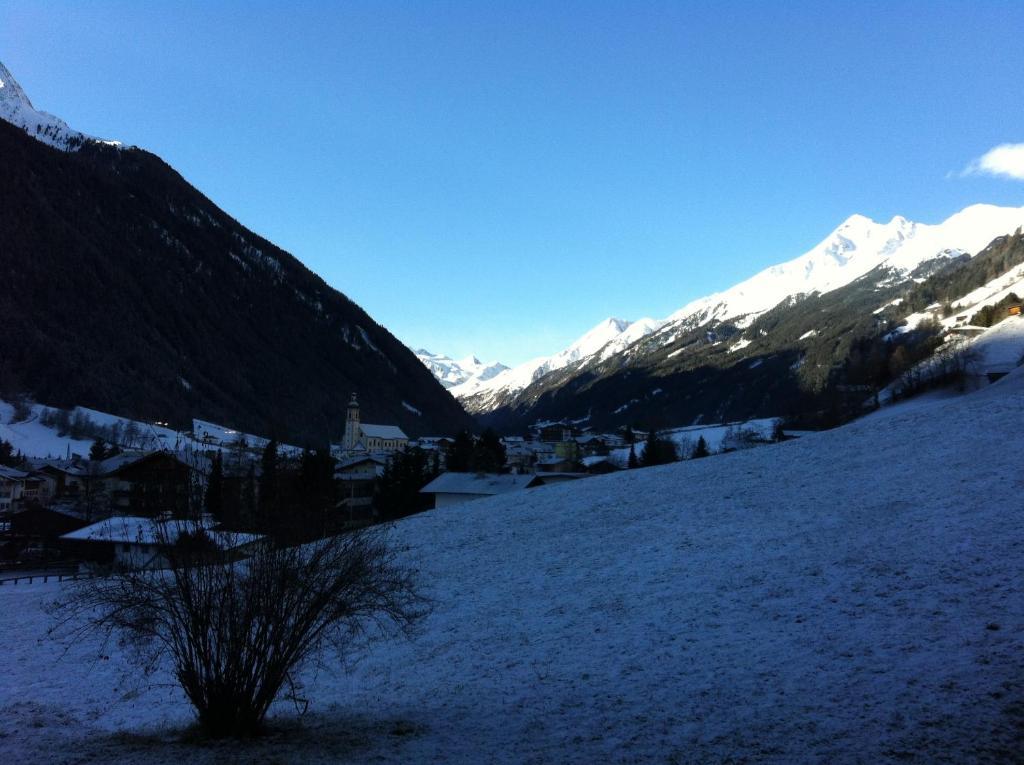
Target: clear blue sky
498	177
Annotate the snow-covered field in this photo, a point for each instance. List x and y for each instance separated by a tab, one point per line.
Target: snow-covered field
852	596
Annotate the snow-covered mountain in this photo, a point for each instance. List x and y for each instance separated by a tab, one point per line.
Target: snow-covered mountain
450	372
852	250
856	247
607	338
16	108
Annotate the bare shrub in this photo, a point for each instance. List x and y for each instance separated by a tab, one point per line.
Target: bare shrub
237	632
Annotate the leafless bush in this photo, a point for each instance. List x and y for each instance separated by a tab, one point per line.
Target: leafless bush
236	632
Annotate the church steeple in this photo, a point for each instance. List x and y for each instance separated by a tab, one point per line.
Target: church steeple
352	427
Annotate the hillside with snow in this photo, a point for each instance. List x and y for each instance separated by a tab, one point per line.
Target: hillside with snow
30	433
760	606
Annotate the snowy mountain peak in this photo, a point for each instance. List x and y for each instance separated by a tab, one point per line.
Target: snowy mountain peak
450	372
10	90
602	341
17	109
857	246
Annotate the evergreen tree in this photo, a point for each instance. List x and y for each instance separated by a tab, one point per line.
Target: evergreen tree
7	455
658	450
249	502
268	502
313	494
628	435
397	492
98	450
215	489
459	456
633	461
489	453
701	449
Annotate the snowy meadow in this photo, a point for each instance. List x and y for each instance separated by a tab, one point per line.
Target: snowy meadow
852	596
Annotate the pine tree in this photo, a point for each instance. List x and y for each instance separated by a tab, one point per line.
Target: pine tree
459	457
488	453
7	456
249	502
314	493
633	461
98	451
658	451
268	502
397	492
701	449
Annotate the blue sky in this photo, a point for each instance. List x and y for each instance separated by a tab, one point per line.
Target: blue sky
498	177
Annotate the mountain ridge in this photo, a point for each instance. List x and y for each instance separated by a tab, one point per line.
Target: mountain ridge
853	249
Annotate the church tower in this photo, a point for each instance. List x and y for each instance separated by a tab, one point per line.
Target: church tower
352	428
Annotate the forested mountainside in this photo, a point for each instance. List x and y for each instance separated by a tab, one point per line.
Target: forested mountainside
127	290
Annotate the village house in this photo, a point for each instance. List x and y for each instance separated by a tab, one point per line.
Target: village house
12	484
149	484
456	488
356	478
67	476
518	454
136	543
556	432
20	488
42	526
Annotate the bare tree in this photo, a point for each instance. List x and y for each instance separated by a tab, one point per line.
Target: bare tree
237	632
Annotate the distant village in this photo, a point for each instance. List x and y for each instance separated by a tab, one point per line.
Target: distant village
107	507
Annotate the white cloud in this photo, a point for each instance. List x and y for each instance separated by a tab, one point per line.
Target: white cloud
1005	160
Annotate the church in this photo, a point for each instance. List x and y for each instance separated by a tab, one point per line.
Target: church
364	438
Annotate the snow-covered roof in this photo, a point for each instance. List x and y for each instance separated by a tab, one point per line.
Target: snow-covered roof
147	531
382	431
12	473
553	460
118	461
375	458
479	483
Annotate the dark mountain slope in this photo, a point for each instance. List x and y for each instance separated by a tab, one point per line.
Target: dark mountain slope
124	288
